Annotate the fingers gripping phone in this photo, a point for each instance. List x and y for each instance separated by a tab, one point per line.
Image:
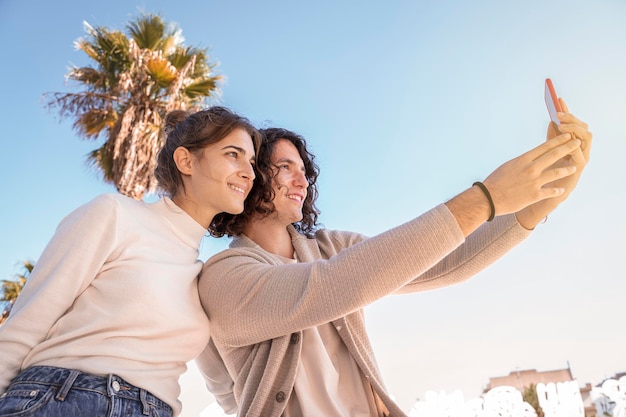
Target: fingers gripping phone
552	101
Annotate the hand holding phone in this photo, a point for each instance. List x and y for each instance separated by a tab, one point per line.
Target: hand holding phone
552	101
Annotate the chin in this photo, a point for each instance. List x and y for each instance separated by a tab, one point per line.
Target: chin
236	209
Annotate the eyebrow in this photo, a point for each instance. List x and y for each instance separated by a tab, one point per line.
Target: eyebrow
238	148
290	162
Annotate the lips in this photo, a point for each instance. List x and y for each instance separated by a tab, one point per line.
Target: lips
296	197
239	189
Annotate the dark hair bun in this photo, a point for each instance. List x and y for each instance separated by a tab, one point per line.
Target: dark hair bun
173	118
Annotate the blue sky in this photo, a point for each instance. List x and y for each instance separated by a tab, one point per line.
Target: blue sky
405	103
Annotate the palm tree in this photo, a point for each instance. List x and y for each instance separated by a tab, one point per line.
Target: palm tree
11	288
136	79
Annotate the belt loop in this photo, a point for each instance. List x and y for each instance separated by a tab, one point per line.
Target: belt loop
67	384
144	402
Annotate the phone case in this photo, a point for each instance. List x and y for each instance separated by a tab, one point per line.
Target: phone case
552	101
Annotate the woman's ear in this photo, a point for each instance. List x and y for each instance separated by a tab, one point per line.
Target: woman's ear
183	160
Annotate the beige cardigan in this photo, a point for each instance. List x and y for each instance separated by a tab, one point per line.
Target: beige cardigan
258	306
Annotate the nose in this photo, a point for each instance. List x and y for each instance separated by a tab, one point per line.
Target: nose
300	180
247	171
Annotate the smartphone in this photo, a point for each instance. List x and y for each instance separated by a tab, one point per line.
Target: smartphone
552	101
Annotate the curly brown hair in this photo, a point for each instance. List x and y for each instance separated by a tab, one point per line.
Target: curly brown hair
260	200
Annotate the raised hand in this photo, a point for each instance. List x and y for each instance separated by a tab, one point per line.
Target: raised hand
533	214
532	176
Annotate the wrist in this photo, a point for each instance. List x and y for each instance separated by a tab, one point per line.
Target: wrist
485	191
470	208
532	215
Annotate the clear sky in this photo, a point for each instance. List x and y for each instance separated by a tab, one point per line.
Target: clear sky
405	104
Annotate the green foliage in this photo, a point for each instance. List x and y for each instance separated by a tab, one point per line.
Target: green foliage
530	396
135	79
11	289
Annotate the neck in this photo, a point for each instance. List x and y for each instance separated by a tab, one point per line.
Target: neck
272	236
200	214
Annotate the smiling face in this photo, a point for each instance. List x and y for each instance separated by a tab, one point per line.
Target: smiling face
218	178
289	182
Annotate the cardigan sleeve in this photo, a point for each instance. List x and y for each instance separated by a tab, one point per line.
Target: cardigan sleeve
250	299
482	248
217	378
79	247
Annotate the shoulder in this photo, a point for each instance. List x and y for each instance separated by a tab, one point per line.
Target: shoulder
102	205
98	216
122	206
119	201
243	254
337	239
240	255
110	201
107	208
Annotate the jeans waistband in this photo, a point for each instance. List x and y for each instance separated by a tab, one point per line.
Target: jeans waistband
67	379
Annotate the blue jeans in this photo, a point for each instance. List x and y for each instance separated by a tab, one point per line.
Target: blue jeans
46	391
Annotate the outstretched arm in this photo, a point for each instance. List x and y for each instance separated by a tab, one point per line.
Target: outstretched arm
249	298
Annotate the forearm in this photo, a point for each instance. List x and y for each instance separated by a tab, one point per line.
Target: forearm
216	376
482	248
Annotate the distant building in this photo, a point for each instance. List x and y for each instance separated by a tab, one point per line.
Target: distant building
525	378
522	379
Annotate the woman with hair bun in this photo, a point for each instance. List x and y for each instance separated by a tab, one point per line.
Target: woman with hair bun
110	315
